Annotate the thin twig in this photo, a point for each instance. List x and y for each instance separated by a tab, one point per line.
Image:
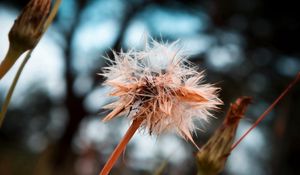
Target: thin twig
292	84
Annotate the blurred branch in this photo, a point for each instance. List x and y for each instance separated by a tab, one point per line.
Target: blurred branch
132	10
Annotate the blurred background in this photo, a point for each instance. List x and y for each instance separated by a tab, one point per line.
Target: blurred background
247	47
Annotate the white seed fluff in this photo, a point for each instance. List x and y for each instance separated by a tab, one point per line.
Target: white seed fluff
159	86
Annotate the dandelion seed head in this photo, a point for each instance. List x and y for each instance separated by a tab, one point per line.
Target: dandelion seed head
161	87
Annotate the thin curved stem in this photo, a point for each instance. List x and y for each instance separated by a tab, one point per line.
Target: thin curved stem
12	87
292	84
52	14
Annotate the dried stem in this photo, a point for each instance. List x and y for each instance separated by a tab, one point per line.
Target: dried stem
14	55
121	146
292	84
12	87
52	14
11	57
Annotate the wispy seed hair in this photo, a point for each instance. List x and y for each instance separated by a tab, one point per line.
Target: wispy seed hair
161	87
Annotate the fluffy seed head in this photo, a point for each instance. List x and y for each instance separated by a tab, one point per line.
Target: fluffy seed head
159	86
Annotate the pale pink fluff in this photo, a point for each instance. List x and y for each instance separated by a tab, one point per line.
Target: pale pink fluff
159	86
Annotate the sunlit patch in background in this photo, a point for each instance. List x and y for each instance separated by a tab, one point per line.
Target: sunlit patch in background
87	49
240	161
288	66
173	22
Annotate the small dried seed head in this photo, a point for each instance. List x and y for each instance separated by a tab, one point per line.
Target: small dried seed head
29	26
161	87
213	155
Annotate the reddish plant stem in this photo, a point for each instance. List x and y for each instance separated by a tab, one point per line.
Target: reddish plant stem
292	84
121	146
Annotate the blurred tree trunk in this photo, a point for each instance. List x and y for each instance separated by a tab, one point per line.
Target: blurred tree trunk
74	103
59	158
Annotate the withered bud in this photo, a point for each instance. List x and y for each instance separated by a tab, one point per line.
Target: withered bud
29	26
213	155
